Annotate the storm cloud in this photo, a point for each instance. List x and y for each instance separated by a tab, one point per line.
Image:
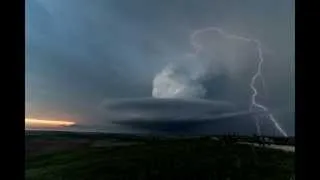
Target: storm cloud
81	54
166	108
187	116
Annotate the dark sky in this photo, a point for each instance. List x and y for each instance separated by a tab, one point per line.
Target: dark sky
82	53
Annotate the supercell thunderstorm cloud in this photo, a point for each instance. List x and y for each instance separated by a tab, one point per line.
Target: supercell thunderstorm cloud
165	64
184	77
184	81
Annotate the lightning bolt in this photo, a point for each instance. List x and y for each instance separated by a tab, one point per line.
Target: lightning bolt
254	104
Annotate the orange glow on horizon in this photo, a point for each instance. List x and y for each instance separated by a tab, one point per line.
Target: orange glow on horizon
46	123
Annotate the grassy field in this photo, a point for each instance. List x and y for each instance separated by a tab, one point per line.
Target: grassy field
75	156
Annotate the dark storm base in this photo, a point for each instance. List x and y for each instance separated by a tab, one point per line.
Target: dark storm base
56	155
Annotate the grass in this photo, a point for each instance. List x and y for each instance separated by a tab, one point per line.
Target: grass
163	159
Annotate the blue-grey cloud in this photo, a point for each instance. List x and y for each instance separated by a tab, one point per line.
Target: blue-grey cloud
154	108
80	52
186	116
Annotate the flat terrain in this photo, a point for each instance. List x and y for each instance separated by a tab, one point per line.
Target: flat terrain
58	155
272	146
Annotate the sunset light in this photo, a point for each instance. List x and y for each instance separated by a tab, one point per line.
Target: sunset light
46	123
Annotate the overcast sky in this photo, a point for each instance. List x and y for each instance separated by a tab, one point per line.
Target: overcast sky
81	53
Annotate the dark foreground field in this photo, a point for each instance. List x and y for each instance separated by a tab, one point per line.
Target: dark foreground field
94	156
